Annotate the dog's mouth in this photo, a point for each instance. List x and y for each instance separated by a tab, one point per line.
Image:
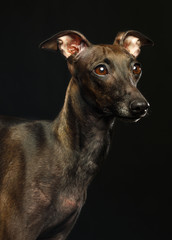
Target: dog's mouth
125	114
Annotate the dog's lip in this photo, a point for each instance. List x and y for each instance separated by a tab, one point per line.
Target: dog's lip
133	118
129	117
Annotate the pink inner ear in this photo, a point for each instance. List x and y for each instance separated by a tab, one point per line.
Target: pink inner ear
132	44
74	46
70	44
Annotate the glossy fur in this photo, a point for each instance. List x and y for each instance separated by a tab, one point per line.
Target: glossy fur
46	167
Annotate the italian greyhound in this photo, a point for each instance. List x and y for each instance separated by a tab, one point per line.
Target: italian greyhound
46	166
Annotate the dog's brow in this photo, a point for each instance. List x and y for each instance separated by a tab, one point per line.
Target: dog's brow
106	60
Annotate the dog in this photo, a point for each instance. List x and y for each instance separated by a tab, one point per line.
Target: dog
47	166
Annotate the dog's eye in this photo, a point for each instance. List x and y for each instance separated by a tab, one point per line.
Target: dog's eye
101	70
137	69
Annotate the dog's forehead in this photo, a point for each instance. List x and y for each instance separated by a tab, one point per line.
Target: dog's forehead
97	53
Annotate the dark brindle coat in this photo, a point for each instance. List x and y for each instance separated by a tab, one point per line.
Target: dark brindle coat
46	167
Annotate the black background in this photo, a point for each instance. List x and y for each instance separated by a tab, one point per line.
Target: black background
131	196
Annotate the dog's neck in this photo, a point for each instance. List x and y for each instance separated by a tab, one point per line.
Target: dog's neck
83	132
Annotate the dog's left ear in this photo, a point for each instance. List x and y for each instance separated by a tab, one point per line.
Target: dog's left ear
132	41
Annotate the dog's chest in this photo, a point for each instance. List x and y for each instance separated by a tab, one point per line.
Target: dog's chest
64	211
67	203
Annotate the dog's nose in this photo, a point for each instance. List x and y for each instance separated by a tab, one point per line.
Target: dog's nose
139	107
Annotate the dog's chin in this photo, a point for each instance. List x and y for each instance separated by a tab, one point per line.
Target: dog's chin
129	119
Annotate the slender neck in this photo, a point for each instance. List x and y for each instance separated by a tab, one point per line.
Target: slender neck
83	132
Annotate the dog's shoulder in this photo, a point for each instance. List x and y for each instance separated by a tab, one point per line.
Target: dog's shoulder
6	121
24	132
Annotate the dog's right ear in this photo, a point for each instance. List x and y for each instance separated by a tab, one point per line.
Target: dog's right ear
132	41
69	42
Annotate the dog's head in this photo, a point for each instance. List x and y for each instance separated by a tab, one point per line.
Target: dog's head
106	74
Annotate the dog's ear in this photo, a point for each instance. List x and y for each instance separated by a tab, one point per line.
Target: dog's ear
69	42
132	41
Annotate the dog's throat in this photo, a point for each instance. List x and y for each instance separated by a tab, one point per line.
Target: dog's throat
85	134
